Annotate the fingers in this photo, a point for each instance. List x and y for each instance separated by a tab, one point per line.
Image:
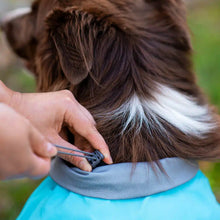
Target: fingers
83	125
97	141
42	152
39	145
79	162
87	114
81	121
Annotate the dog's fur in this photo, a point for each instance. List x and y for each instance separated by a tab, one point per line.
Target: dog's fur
129	63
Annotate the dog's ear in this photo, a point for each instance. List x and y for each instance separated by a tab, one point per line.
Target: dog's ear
73	34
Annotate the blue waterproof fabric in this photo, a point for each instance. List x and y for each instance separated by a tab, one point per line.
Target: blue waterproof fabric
193	200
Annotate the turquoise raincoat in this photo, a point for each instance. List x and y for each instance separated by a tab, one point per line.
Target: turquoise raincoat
124	192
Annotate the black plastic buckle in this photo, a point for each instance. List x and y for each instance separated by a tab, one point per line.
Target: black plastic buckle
98	157
94	158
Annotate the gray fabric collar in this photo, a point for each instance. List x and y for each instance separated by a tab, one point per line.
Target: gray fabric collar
120	181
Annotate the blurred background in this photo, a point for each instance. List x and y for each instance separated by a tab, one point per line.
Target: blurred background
204	22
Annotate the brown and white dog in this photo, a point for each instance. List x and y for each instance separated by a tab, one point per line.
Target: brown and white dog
129	63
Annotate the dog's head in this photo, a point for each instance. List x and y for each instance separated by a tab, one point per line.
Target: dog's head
77	38
129	63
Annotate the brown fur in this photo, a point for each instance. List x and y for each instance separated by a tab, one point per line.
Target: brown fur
104	51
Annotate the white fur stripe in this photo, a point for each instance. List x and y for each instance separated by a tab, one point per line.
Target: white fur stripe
179	110
16	13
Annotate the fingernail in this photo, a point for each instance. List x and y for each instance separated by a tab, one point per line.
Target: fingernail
109	158
84	165
51	149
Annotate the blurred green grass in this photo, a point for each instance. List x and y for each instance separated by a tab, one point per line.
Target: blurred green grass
204	21
18	79
13	197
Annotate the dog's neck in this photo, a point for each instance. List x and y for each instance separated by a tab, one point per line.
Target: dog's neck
165	123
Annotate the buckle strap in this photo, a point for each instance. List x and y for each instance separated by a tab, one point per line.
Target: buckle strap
94	158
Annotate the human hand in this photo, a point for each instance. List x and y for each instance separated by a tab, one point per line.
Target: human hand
24	152
49	112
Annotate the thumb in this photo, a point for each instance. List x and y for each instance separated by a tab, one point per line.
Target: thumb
40	146
39	168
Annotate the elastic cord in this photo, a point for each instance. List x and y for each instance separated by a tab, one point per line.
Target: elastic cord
75	155
94	158
79	151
